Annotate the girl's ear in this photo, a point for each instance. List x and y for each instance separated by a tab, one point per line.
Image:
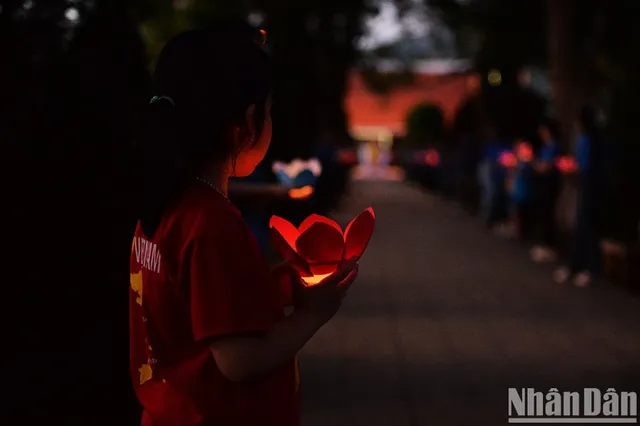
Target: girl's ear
250	122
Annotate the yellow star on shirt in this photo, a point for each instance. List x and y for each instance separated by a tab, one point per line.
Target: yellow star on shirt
136	285
145	373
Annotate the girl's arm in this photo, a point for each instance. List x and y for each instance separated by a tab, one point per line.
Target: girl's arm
243	359
283	275
232	306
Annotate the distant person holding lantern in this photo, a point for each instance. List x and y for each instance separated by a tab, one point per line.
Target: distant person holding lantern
546	192
521	191
586	257
492	175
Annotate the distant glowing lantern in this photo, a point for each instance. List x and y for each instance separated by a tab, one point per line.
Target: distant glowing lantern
263	37
301	193
432	158
524	152
298	173
566	165
494	78
317	249
508	159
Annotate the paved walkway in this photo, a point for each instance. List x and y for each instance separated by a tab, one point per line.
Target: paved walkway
445	317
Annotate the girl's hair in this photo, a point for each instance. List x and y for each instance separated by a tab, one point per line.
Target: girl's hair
203	83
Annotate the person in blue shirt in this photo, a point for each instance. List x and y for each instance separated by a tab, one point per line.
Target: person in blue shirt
492	180
521	197
547	186
586	257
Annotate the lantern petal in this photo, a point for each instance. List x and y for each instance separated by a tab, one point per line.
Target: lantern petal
316	218
358	234
324	268
285	229
320	243
289	254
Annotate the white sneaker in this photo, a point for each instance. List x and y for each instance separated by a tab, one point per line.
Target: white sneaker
535	253
540	254
505	230
561	275
582	279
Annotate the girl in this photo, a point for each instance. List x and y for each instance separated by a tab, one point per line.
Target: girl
585	260
210	344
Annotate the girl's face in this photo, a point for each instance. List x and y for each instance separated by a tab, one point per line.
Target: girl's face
249	158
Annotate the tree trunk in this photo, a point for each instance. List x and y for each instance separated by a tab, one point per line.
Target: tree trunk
561	41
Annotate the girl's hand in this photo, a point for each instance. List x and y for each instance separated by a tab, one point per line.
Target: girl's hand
284	277
324	299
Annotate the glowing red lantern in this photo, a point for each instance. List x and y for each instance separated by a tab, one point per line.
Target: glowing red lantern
566	165
432	158
317	249
524	152
508	159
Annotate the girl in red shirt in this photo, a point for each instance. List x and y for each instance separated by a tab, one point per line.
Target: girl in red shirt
210	343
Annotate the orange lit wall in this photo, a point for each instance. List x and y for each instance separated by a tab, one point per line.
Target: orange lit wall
366	109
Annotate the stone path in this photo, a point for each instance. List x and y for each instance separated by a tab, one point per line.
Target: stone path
445	317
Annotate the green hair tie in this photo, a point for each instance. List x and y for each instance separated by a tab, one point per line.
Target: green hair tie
160	98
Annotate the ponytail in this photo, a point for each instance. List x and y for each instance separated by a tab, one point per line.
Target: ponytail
161	180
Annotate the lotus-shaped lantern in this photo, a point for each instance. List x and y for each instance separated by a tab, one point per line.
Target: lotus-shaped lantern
524	152
432	158
566	164
319	246
298	173
508	159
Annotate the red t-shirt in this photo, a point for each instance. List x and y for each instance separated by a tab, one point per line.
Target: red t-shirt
203	276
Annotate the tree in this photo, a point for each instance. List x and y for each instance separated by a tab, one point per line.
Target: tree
425	125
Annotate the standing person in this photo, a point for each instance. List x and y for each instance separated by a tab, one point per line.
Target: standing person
585	260
521	192
547	185
492	178
210	343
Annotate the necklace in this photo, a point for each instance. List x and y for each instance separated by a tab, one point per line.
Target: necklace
212	186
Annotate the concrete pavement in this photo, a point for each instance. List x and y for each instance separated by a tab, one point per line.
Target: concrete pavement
445	317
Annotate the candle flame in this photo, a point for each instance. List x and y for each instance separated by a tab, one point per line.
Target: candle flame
301	193
315	279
